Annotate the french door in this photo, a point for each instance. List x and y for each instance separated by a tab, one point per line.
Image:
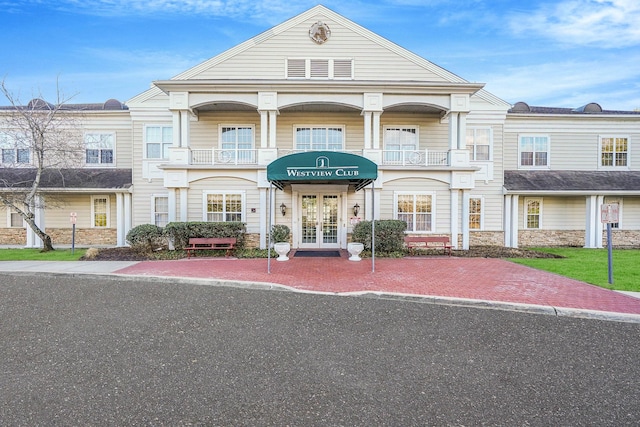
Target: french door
319	221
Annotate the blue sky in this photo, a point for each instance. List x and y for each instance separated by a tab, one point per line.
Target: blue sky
559	53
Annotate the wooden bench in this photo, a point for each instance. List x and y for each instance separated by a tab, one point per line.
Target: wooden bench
227	244
427	242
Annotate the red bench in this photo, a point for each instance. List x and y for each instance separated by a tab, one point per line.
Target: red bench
428	242
227	244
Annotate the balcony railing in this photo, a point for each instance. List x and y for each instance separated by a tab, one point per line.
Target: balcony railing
415	158
224	157
382	157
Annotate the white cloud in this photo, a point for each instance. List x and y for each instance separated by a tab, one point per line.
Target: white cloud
602	23
611	83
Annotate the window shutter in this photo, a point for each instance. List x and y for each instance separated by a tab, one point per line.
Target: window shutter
342	68
296	68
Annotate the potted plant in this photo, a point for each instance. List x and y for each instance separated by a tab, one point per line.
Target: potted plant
280	235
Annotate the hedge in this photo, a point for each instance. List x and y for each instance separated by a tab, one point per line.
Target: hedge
389	235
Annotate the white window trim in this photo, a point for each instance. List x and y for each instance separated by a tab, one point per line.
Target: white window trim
617	200
243	198
144	140
153	206
417	193
472	149
100	164
548	165
482	209
526	212
320	126
614	167
9	212
11	144
93	211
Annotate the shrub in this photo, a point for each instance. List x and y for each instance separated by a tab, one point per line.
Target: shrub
181	232
389	235
280	233
146	238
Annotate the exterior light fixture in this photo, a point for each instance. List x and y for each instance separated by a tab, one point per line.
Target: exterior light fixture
283	209
356	209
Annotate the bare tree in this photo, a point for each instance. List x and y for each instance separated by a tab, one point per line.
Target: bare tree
39	141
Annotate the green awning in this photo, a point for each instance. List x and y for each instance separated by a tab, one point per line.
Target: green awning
321	166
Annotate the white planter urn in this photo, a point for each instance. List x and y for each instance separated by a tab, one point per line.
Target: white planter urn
282	249
354	250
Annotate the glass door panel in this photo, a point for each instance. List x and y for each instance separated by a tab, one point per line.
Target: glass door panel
309	220
329	219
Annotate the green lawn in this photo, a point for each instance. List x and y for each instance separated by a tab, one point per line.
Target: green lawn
36	255
591	266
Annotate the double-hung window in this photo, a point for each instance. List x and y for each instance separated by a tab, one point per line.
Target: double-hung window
158	139
13	152
614	152
99	148
401	145
475	213
534	151
533	213
100	211
319	138
223	207
479	143
15	220
236	143
416	209
160	210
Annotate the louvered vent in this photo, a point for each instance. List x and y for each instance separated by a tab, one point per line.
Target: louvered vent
296	68
342	69
319	68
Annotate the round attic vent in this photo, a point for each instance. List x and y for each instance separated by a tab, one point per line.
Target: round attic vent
112	104
39	104
521	107
591	107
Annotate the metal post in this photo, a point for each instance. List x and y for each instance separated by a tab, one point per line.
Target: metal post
610	253
73	239
269	228
373	228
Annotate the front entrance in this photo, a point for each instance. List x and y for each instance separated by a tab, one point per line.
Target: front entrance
319	225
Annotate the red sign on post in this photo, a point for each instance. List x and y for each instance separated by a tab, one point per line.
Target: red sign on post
610	213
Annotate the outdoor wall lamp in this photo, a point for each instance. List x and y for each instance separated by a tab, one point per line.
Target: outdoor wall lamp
356	209
283	209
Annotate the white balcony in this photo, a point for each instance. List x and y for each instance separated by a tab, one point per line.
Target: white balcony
224	157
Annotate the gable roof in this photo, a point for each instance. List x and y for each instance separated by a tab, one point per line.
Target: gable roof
301	18
543	182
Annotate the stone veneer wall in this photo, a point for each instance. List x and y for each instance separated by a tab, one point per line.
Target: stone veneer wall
252	240
84	236
484	238
550	238
13	236
622	238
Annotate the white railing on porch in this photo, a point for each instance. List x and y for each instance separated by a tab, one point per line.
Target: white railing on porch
415	158
224	157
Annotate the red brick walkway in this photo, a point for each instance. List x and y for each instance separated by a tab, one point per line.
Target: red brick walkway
469	278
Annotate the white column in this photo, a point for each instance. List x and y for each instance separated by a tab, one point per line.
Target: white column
272	128
40	220
465	219
507	221
462	131
184	192
367	129
514	220
453	131
171	202
591	218
376	207
599	225
263	218
184	128
367	204
177	135
376	130
120	236
127	213
454	217
264	129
